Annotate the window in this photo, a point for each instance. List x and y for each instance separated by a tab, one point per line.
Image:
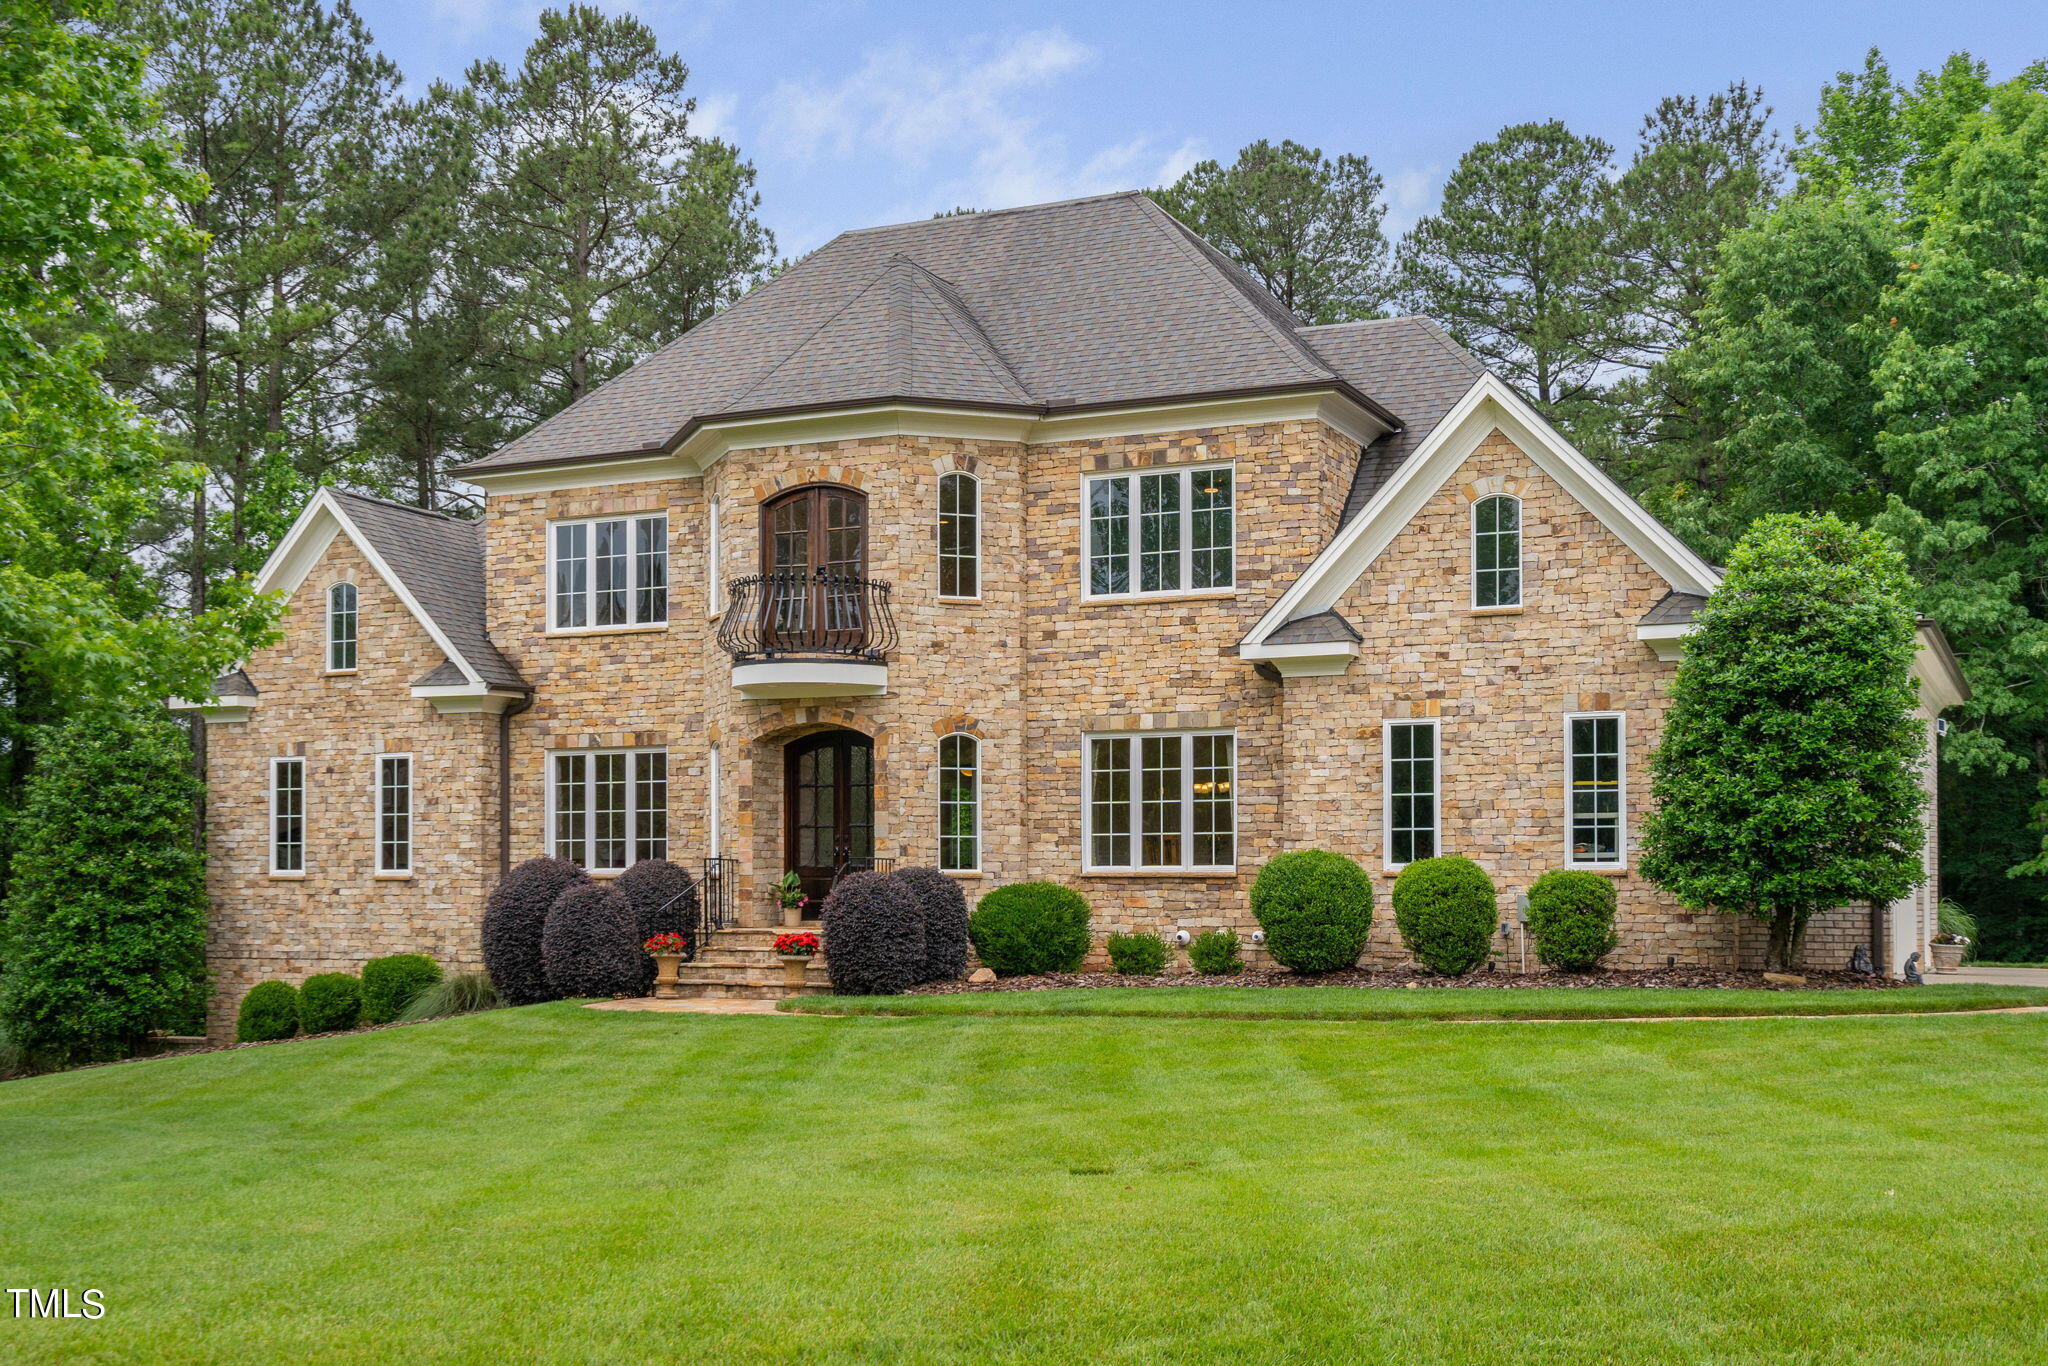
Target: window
1162	800
1411	791
609	808
610	573
959	803
712	559
1163	532
1497	552
959	536
394	813
288	816
341	628
716	821
1593	768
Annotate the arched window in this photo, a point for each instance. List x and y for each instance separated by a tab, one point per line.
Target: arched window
1497	552
960	803
959	536
341	628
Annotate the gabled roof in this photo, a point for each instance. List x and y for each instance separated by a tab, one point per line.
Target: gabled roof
1321	628
1674	609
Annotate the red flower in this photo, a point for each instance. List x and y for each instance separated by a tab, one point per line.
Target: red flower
668	942
801	942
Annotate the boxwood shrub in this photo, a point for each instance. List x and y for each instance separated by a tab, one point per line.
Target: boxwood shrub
1446	912
330	1002
269	1011
390	984
1028	928
664	900
945	922
1571	918
874	935
1137	955
515	917
587	943
1214	953
1316	910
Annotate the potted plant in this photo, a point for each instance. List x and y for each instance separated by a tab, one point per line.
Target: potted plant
796	950
669	950
1948	951
789	893
1954	929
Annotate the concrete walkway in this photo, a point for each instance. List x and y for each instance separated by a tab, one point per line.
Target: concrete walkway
2001	977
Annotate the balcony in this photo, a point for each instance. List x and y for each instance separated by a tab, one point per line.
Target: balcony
798	634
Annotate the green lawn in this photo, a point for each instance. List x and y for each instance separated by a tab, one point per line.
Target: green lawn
556	1184
1425	1003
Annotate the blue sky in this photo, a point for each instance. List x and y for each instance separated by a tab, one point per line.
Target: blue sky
863	113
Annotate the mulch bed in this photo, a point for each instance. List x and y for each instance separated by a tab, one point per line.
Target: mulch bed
1690	978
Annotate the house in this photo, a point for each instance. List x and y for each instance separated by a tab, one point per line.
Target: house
1035	544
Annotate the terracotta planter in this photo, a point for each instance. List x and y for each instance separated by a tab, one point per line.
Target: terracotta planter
665	965
793	965
1949	957
792	916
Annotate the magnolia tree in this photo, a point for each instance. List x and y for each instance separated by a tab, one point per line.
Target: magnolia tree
1787	780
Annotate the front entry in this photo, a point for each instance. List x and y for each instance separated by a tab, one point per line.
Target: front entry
828	803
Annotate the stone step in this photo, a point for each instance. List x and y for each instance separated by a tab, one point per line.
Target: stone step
747	991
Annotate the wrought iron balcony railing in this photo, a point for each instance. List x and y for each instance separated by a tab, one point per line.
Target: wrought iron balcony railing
793	614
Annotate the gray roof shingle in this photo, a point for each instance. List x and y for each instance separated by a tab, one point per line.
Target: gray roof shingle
1321	628
1674	609
234	684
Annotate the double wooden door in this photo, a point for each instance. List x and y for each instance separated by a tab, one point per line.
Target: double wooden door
829	808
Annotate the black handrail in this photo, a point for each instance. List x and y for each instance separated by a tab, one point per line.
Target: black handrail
861	865
792	612
713	887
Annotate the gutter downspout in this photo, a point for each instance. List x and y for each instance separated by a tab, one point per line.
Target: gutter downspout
505	784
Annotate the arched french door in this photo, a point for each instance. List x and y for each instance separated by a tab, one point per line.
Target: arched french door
828	808
814	553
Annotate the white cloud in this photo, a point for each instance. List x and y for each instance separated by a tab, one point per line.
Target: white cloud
1411	195
714	116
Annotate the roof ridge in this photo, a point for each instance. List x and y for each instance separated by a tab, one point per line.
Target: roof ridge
733	404
339	491
1434	330
1365	322
987	213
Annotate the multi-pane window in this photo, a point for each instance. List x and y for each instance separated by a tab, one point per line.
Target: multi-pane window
611	572
1411	791
959	536
1166	531
609	808
960	803
1593	761
1497	552
1162	800
394	813
341	628
287	815
713	563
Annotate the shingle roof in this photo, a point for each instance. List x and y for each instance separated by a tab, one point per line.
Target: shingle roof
234	684
1674	609
440	561
1321	628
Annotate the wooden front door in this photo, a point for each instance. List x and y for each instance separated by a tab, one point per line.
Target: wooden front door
829	808
814	548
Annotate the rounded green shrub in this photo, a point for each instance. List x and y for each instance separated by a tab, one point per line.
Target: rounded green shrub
330	1002
1214	953
1571	918
874	935
269	1011
390	984
1316	910
1137	955
1029	928
1446	912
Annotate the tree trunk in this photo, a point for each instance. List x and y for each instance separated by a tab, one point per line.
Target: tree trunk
1786	932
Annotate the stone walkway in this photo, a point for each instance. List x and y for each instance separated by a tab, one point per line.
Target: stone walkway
714	1006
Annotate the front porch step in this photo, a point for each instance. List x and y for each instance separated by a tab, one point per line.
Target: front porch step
740	961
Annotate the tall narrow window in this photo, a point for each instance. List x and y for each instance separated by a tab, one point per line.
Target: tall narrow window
716	814
1411	791
394	813
1162	800
1593	766
960	803
341	628
1497	552
959	536
288	816
1164	531
714	560
612	572
609	807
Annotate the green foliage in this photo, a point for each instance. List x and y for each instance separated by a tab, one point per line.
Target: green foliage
269	1011
1785	782
463	994
1953	919
1316	910
1571	918
1447	913
392	984
1137	955
1214	953
330	1002
1029	928
105	929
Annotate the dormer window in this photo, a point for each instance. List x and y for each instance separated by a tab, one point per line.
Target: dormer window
1161	531
608	573
1497	552
341	628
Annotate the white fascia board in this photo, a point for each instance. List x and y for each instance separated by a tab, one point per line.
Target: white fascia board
1941	686
1666	642
1319	660
213	709
458	699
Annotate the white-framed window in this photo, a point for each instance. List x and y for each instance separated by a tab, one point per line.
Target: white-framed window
1160	531
1596	792
713	561
341	628
394	813
1497	551
1161	800
608	808
288	817
715	821
959	536
608	572
1413	784
959	803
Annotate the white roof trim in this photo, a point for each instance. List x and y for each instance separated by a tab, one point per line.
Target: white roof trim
1487	405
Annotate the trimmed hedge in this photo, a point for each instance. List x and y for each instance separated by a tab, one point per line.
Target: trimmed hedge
515	918
945	922
1029	928
269	1011
330	1002
391	984
652	887
1316	910
874	935
587	943
1446	911
1137	955
1571	918
1214	953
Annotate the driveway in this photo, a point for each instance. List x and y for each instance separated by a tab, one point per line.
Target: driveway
2004	977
